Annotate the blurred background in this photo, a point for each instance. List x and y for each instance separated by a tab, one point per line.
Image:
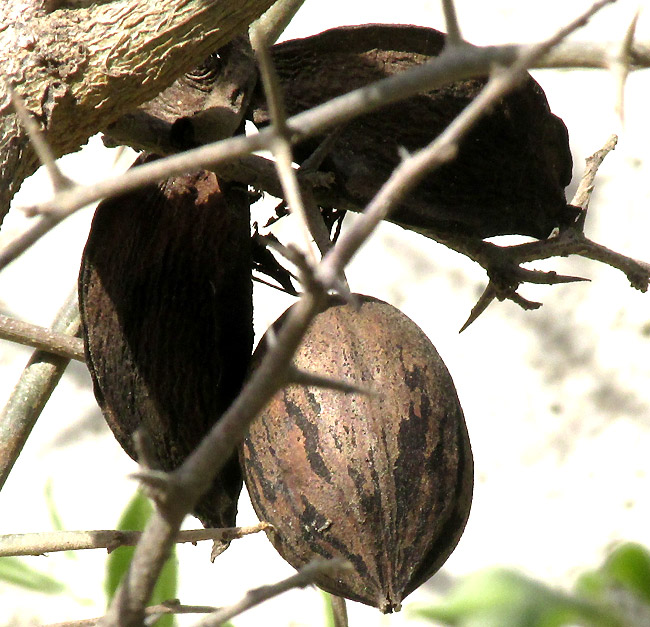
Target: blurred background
557	401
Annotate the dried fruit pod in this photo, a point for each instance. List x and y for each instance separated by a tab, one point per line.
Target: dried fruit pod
511	168
165	293
384	481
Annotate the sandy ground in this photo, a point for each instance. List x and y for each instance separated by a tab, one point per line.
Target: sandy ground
557	400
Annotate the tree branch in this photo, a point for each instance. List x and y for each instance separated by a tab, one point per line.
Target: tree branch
78	69
168	607
33	390
54	541
46	340
458	63
304	577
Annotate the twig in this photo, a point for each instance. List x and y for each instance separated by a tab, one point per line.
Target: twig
32	391
198	470
620	66
54	541
281	145
304	577
454	37
18	246
44	339
442	149
302	377
503	263
583	194
274	22
59	181
339	611
167	607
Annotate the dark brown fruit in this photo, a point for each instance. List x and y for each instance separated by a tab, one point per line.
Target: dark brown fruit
383	481
165	294
511	169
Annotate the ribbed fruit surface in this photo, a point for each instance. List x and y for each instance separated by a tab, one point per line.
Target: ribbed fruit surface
384	481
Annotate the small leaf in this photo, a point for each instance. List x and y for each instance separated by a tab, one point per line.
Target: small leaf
499	597
16	572
134	518
629	567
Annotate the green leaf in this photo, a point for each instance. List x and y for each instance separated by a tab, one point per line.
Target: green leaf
134	518
629	567
622	584
499	597
15	571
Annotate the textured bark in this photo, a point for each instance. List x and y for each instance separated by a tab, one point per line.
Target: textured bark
204	105
79	69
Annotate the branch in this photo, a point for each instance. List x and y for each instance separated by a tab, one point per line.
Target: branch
454	37
303	377
304	577
36	384
274	22
78	69
54	541
583	194
167	607
281	142
503	263
18	246
47	340
339	611
441	150
455	64
620	66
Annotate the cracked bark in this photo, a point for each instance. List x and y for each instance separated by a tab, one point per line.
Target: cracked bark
78	69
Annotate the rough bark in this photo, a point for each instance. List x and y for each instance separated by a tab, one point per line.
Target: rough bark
78	69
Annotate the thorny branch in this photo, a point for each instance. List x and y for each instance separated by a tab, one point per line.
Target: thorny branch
503	263
187	483
53	541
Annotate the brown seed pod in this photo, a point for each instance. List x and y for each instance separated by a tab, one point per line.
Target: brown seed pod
165	295
510	171
384	481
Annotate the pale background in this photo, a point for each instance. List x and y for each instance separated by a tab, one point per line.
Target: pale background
557	401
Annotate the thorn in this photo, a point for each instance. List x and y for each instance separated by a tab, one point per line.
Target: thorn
156	479
620	66
488	295
547	278
303	377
